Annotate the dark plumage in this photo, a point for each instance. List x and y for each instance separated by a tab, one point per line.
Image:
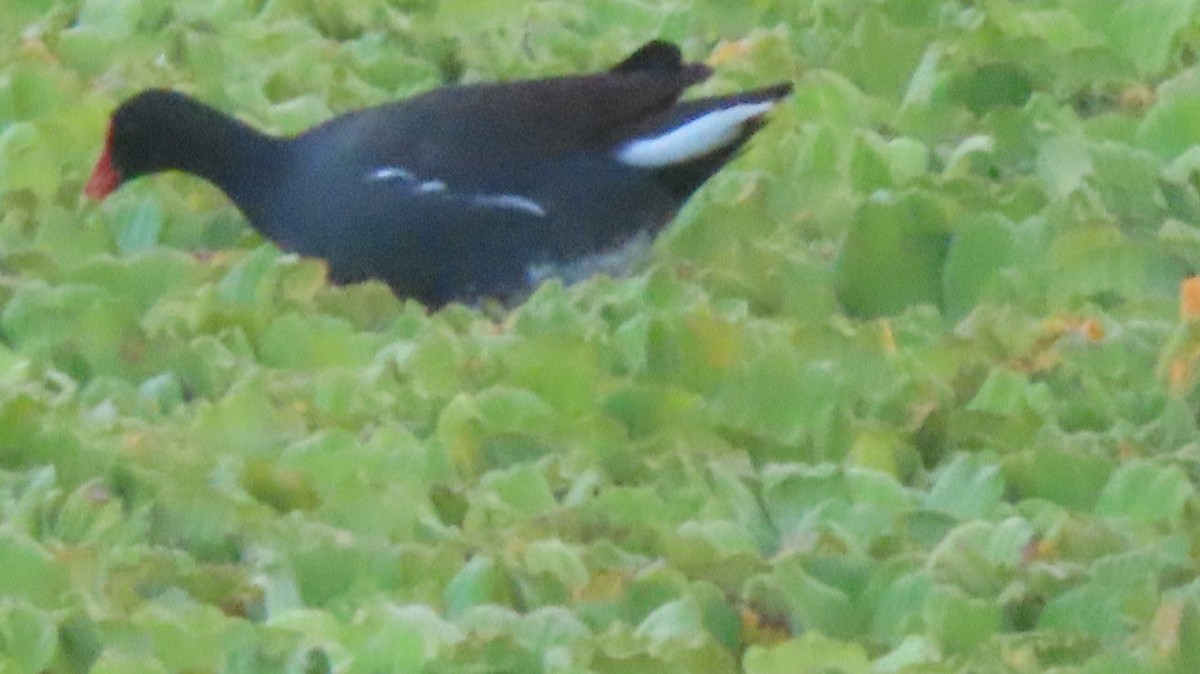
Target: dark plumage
466	191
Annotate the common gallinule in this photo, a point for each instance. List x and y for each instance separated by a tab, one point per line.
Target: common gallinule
463	192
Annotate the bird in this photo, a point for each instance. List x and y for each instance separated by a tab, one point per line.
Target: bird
465	193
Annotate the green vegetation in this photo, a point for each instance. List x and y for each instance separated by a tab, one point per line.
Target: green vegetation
907	388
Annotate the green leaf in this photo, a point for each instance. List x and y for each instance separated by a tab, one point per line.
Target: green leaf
778	397
992	86
298	114
1063	164
1172	124
48	321
893	255
898	610
1146	491
244	422
961	623
30	573
479	582
27	161
497	427
793	494
252	280
522	488
185	635
1002	393
386	639
1097	260
475	13
966	489
1088	609
284	490
979	251
29	92
557	559
28	637
142	224
90	513
678	620
915	653
907	159
118	662
1060	29
1144	32
316	342
144	278
883	56
550	627
1062	475
815	605
812	653
1129	180
570	386
869	168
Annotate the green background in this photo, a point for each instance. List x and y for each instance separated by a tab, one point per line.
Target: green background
906	388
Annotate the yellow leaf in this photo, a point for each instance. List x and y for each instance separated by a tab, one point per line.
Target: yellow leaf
1180	374
1189	299
887	337
725	52
1165	631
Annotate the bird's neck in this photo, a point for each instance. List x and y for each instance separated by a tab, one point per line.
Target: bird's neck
245	163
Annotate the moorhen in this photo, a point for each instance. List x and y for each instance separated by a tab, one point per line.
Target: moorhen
465	192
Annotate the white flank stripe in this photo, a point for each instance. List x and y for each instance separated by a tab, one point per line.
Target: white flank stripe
512	201
430	186
692	140
390	172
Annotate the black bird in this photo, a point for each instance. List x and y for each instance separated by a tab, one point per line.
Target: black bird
464	192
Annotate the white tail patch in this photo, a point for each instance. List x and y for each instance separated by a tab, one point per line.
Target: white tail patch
694	139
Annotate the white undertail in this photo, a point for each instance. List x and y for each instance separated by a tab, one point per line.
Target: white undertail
693	139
